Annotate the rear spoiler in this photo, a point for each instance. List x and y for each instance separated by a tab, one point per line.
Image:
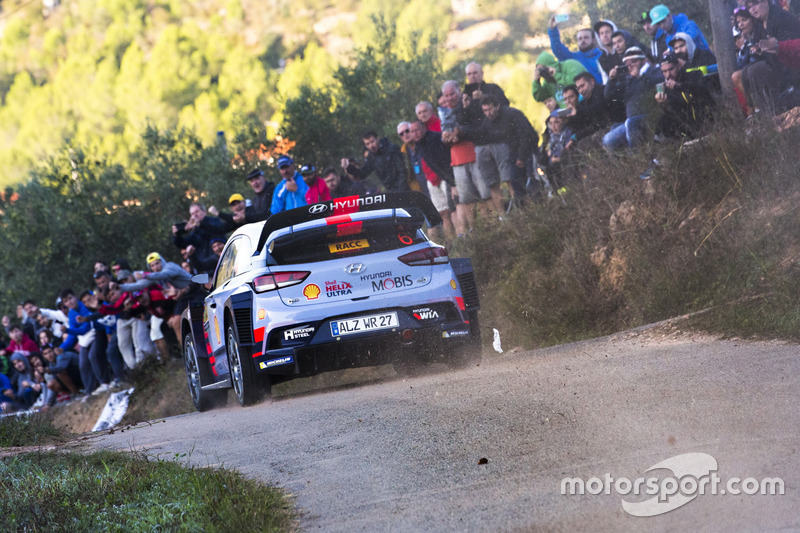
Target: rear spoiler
347	205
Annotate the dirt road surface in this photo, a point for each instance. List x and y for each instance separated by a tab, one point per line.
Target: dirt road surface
405	455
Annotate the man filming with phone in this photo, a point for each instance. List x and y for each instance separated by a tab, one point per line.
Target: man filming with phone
588	53
685	101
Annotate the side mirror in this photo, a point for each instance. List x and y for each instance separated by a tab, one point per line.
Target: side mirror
200	279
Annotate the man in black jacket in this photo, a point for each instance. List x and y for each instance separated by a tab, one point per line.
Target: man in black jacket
341	186
509	141
591	114
384	159
686	101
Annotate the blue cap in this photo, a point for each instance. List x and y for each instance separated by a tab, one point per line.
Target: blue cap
285	161
659	13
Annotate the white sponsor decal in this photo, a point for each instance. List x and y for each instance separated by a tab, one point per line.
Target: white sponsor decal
298	333
276	362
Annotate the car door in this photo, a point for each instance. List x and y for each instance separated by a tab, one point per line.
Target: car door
213	314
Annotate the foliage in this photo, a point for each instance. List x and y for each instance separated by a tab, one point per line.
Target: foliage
79	208
110	70
112	491
380	90
621	252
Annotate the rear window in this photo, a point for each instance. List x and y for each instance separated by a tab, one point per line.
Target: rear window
347	239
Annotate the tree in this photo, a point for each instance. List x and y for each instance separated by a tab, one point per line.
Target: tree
723	45
377	92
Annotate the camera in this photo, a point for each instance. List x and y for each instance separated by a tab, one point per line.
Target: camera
181	225
622	69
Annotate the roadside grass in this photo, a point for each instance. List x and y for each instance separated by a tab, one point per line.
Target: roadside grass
715	227
129	492
32	430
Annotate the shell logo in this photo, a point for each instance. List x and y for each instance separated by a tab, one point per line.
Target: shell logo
311	292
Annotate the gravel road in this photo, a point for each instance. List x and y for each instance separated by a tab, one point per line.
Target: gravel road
406	454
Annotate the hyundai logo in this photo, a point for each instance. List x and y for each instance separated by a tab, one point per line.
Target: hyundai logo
355	268
318	208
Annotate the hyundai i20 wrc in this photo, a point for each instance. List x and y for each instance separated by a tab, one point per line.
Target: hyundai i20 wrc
348	283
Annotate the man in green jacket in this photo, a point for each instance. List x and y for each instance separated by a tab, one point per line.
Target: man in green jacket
552	76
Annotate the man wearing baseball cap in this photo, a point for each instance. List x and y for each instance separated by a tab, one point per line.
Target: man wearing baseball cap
262	198
176	282
291	191
658	40
637	90
670	24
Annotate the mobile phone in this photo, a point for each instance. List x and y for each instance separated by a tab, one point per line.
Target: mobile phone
659	87
562	113
563	17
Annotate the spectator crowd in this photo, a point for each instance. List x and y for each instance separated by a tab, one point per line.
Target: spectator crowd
613	93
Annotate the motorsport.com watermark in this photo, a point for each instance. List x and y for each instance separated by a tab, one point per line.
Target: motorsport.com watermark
693	474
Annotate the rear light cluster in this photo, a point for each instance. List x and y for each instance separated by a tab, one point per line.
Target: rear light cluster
279	280
435	255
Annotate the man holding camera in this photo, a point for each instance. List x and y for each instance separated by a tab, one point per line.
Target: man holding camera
635	88
291	191
551	76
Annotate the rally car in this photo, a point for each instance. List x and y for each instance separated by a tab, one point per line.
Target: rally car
352	282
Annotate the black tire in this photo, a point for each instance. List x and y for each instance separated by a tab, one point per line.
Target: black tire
197	375
469	353
248	386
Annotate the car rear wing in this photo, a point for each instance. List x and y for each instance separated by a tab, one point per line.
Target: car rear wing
348	205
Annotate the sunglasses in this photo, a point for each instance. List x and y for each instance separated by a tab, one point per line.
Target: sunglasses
404	132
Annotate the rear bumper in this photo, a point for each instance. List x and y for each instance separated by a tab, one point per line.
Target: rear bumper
327	353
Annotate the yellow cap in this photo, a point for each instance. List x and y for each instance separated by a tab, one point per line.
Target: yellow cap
154	256
236	198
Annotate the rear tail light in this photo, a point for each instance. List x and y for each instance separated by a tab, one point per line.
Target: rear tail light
278	280
435	255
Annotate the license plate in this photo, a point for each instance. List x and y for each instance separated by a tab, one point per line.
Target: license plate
363	323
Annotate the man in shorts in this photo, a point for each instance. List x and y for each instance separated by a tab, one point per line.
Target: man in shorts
473	192
431	159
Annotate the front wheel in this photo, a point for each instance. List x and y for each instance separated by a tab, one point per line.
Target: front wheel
248	386
197	376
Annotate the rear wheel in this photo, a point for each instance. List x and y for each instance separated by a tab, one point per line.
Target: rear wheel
248	386
197	376
469	353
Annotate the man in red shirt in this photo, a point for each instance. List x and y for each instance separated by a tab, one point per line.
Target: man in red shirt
20	342
317	188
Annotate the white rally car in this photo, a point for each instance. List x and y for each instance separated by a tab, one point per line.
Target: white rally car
353	282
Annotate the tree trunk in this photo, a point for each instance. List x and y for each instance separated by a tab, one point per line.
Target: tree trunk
723	44
593	11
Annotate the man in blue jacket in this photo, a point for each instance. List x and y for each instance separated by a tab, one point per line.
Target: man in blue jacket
291	191
670	24
588	53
